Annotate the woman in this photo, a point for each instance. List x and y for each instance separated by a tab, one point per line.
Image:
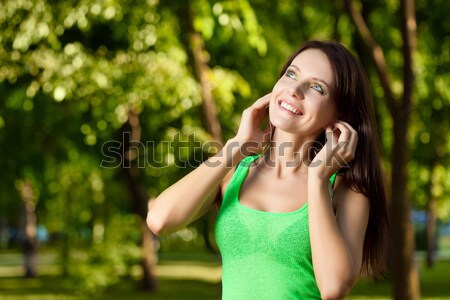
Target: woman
288	227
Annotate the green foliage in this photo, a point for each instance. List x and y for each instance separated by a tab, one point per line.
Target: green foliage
430	134
72	71
111	257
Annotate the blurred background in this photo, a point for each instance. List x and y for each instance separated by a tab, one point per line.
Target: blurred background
105	103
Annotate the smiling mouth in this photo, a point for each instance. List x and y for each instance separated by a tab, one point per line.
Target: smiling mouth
286	106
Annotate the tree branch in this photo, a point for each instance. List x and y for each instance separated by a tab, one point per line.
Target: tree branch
409	45
376	52
209	106
201	69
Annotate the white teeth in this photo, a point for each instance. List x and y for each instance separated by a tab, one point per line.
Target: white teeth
289	107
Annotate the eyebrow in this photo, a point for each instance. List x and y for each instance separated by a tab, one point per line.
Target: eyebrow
315	78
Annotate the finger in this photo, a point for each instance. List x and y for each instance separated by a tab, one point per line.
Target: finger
262	102
354	134
349	140
259	115
345	133
329	133
348	126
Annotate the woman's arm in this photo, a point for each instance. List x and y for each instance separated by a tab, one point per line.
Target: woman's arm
192	196
336	241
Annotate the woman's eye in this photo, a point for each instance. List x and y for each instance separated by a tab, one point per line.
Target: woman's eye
290	74
317	87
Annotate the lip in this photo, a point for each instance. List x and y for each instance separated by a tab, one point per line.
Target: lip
292	104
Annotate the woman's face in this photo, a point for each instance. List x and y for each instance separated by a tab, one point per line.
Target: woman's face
301	100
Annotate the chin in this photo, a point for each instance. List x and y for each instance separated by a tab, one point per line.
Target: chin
289	128
297	129
286	125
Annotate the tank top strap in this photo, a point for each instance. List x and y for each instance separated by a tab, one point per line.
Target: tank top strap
247	161
242	169
238	177
331	185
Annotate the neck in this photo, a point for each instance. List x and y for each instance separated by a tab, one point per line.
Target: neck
288	153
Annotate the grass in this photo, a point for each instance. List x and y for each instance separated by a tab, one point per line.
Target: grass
181	277
434	284
47	288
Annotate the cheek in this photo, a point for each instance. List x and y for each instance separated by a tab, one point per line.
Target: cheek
324	109
280	86
331	113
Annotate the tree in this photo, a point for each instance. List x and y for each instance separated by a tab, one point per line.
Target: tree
71	74
430	125
75	75
405	276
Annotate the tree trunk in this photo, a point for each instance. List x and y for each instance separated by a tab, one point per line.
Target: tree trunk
431	232
212	123
199	59
29	227
66	236
139	199
404	270
431	219
149	258
202	71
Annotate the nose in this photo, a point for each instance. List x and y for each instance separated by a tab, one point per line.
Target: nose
295	91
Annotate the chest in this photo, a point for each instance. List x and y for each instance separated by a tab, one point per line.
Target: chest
263	193
242	232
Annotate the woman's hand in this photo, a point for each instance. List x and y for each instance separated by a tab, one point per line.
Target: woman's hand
250	137
338	151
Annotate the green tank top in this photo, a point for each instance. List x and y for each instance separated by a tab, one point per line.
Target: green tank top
265	255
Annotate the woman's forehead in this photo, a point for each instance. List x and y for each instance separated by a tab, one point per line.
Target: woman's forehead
314	63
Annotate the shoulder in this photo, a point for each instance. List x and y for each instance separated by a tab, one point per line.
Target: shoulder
352	207
226	180
343	192
244	163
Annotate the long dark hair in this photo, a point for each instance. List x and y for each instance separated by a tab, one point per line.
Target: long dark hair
354	104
